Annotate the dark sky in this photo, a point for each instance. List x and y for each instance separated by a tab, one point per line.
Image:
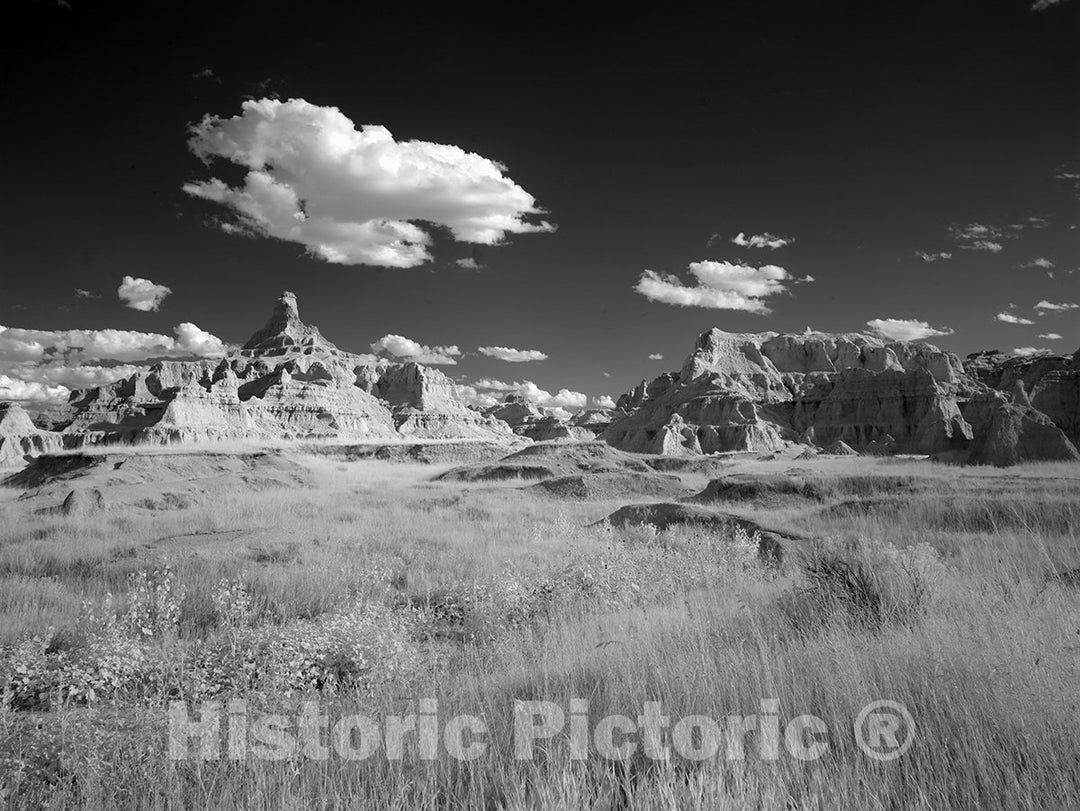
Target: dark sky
862	130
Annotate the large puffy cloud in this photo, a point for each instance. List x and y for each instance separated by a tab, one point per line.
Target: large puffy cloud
17	344
564	398
142	294
45	365
350	196
53	382
13	388
604	401
765	240
401	347
512	355
719	286
900	329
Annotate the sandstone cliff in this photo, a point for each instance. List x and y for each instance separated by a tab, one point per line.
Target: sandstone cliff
286	382
758	392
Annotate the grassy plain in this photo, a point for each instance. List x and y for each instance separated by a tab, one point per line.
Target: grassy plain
954	592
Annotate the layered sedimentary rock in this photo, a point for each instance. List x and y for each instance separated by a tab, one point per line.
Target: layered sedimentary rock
286	382
757	392
528	420
19	437
1050	382
1009	432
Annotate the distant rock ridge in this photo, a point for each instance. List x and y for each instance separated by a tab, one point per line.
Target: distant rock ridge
286	382
762	391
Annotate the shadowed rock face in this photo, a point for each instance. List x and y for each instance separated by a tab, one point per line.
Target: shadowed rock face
1007	433
1051	383
757	392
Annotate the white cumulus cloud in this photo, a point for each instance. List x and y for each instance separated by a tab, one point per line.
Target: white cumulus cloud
17	344
765	240
563	398
1028	351
656	356
900	329
1061	307
604	401
1009	318
351	196
512	355
142	294
718	285
1051	336
401	347
1040	262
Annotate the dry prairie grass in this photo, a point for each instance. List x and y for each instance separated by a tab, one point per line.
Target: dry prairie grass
514	601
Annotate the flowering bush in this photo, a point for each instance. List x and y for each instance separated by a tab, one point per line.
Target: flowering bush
353	649
153	603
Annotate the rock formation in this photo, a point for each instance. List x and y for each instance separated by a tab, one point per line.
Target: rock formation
528	420
1051	383
286	382
760	392
19	437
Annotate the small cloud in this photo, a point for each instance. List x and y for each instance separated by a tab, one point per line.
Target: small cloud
979	237
718	286
933	257
468	263
983	245
900	329
1044	5
142	294
764	240
207	74
512	355
1039	262
607	374
401	347
604	401
1028	351
656	356
1009	318
1050	336
1061	307
85	294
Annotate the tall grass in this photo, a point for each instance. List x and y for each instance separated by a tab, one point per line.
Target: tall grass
945	602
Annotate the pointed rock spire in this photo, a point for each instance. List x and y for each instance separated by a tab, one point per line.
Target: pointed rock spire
285	331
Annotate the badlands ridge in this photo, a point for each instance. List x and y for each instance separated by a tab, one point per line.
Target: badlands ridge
764	392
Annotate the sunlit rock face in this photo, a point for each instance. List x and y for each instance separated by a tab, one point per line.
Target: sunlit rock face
19	437
286	382
758	392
